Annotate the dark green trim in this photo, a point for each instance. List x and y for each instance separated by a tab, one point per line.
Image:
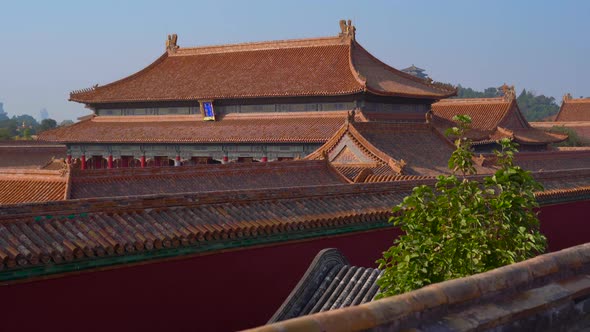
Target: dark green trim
564	199
91	263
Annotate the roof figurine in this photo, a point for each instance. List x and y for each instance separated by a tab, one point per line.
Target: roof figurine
567	97
508	92
347	29
171	45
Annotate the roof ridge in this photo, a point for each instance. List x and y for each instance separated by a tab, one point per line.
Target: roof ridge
30	172
578	100
261	45
472	100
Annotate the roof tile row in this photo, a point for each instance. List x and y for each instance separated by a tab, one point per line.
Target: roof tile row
313	67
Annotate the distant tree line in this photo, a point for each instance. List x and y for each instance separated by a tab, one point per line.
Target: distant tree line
24	127
534	107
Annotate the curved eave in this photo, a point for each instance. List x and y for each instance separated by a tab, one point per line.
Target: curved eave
122	80
197	98
409	95
434	96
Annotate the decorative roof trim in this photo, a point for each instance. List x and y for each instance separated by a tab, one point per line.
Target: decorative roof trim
261	46
325	260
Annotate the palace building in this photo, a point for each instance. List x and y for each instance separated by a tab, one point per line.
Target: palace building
574	115
260	101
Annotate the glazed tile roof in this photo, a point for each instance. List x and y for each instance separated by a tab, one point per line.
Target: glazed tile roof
574	110
329	283
423	149
301	127
29	185
581	128
306	67
29	154
492	119
38	234
388	150
201	178
554	160
86	230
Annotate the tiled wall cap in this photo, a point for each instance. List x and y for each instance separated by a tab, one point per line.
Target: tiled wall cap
392	311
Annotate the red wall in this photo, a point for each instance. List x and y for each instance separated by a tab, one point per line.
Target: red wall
566	225
219	292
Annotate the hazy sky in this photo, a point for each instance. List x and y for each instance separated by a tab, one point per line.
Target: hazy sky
48	48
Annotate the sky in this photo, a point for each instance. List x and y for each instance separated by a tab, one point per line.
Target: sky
49	48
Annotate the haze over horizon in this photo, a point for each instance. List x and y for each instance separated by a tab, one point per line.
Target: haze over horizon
51	48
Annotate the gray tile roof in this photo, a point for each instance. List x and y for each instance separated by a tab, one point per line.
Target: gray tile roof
329	283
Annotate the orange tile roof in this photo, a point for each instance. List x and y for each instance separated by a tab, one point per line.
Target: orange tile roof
90	228
554	160
486	113
492	119
306	67
37	234
394	149
574	110
201	178
301	127
29	154
29	185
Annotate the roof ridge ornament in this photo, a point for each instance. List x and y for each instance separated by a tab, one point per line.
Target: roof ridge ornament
171	45
567	97
347	29
509	92
350	116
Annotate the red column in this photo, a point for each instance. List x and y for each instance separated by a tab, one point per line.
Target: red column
264	159
142	160
69	159
225	159
83	162
177	161
110	161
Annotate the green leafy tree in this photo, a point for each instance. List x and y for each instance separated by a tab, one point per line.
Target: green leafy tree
46	124
536	107
460	226
26	133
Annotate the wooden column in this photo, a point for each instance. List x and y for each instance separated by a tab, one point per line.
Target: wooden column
83	162
142	161
110	161
69	159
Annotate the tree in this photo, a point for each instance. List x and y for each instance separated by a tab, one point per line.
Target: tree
533	107
536	107
46	124
460	226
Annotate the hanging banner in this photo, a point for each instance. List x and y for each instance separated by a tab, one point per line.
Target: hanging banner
207	111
